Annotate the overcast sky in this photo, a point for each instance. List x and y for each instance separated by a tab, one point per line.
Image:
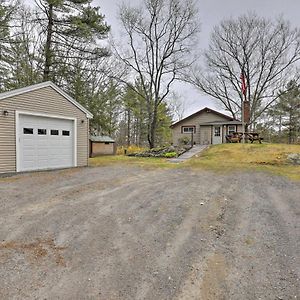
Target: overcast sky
211	12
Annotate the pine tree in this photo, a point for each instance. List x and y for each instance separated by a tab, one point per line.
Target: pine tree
6	13
287	111
73	28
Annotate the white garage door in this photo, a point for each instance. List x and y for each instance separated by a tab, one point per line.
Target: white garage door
45	143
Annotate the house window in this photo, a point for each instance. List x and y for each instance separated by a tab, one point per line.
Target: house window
42	131
28	130
217	131
231	129
106	143
188	129
65	132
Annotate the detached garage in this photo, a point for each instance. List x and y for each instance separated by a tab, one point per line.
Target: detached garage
41	127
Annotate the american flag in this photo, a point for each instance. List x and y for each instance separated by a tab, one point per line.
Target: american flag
244	86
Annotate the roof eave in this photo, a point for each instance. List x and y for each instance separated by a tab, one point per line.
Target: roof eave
199	112
44	84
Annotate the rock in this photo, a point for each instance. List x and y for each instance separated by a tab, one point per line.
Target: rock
159	152
294	158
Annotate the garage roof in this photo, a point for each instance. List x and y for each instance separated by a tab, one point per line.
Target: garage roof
101	139
43	85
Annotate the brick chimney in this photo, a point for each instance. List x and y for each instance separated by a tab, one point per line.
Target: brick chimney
246	111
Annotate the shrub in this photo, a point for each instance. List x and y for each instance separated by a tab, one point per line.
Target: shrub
130	149
170	154
184	140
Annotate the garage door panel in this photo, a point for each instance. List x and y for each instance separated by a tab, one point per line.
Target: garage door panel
41	149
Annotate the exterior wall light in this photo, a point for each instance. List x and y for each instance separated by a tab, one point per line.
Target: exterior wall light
5	113
82	121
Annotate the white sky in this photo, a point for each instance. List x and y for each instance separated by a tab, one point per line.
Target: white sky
211	12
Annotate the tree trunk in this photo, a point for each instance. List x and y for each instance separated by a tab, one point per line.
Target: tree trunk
152	136
280	125
48	50
128	127
290	128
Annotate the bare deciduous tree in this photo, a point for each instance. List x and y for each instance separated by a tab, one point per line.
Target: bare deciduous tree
160	38
267	52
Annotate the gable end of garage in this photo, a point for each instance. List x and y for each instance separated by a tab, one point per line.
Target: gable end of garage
43	85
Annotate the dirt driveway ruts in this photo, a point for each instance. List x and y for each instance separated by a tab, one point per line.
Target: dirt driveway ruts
124	232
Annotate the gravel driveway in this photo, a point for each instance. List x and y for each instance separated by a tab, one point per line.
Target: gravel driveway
122	232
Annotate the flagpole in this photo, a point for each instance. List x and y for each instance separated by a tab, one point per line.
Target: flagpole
243	121
244	98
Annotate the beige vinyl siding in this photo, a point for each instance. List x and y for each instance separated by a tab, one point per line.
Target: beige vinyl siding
202	117
45	101
7	141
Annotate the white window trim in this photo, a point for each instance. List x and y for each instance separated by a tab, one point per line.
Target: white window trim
17	132
194	129
231	126
220	132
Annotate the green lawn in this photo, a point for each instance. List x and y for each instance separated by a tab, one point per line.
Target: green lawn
149	162
223	158
261	157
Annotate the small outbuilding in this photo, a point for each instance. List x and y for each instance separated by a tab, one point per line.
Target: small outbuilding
102	145
42	127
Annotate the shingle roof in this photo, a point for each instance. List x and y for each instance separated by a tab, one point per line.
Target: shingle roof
233	122
101	139
205	109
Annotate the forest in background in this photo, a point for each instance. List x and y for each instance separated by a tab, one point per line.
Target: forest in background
127	84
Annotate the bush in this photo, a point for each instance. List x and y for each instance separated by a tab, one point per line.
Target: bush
129	150
170	154
184	140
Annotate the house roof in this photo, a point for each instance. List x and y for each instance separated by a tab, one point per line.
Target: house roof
101	139
205	109
234	122
43	85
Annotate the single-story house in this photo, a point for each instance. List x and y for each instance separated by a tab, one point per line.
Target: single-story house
41	127
102	145
205	127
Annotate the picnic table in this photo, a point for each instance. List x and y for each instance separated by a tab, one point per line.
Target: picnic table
237	137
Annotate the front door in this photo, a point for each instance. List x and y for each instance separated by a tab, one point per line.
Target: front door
217	135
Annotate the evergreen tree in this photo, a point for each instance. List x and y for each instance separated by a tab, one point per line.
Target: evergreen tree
287	112
6	14
72	28
137	118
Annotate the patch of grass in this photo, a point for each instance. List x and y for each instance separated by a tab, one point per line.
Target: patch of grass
261	157
148	162
222	158
249	241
